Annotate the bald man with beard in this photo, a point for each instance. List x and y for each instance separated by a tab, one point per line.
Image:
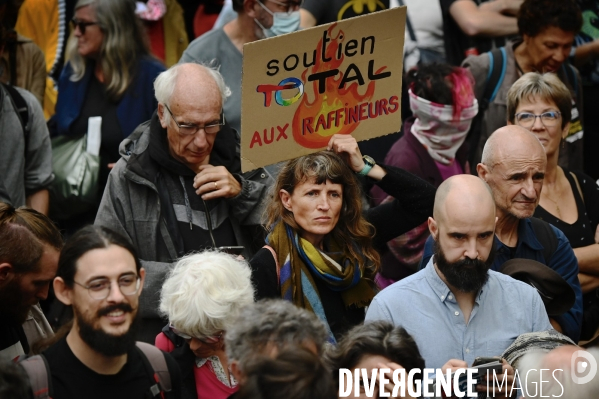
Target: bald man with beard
513	164
464	310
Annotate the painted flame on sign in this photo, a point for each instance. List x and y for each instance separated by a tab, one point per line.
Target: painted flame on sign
332	99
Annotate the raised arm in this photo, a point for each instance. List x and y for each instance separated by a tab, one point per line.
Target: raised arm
486	20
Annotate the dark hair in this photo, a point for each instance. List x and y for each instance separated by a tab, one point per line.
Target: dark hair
237	5
377	338
23	233
443	84
295	373
85	240
352	227
537	15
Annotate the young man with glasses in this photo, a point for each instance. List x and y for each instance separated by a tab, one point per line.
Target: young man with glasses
178	188
100	277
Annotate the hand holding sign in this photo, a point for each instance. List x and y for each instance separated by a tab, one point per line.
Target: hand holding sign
347	147
301	89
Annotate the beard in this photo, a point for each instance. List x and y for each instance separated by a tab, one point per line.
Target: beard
103	342
14	305
466	275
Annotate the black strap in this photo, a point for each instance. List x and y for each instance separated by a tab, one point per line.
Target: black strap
546	236
20	106
409	25
155	364
11	44
497	67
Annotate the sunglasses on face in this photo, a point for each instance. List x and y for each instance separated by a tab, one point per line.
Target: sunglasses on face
210	339
82	25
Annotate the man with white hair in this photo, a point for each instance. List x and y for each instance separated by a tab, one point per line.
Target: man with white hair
176	188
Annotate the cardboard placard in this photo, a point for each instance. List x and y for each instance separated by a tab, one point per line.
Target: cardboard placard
300	89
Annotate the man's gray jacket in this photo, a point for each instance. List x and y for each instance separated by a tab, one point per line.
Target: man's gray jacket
131	206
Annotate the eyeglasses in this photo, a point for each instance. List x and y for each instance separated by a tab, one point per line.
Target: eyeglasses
527	120
190	130
82	25
100	289
209	339
290	6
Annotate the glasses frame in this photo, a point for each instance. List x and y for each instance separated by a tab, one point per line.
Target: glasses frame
291	6
210	339
559	114
137	287
82	25
196	127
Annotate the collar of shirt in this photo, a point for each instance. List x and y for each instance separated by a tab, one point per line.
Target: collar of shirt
218	369
526	236
441	289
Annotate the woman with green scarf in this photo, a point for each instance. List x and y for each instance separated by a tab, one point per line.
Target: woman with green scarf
321	248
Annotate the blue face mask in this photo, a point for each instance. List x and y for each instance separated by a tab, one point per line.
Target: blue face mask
282	22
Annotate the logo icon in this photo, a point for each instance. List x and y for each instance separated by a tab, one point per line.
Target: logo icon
582	363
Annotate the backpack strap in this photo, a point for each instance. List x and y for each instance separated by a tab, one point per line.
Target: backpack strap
157	364
546	236
578	186
37	370
495	76
571	76
274	255
20	106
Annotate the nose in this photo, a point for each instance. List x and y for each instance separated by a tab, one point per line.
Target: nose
199	139
324	204
560	55
115	295
194	344
538	124
471	250
42	294
528	189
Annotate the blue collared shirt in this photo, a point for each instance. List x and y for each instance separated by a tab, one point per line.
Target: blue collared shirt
423	305
563	261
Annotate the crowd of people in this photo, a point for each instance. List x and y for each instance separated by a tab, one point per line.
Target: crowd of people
171	273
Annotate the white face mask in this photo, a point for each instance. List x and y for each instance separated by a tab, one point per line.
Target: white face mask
282	22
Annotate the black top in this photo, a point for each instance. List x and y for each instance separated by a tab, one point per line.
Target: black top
72	379
413	204
582	232
457	42
11	338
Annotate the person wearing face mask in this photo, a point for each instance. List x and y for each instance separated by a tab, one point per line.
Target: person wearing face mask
223	47
547	29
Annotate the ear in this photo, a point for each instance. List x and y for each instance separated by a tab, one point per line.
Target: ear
239	376
286	199
433	228
483	171
142	275
566	130
160	112
6	270
249	8
62	291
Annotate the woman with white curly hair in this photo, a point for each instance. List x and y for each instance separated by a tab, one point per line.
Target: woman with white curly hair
201	297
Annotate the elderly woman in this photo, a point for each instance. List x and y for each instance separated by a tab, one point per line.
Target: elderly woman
201	297
321	248
569	200
374	346
547	29
110	74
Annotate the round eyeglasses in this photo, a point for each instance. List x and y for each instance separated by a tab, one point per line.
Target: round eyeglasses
527	119
208	339
99	289
190	130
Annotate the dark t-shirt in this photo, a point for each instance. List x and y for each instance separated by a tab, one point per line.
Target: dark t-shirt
457	42
72	379
326	11
13	342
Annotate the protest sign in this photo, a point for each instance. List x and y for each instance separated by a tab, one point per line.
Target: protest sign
300	89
